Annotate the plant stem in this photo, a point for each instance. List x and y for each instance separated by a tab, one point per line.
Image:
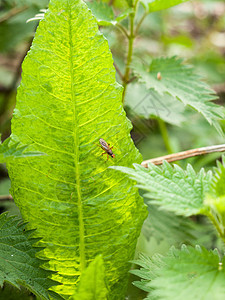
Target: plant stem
215	223
131	38
123	30
140	22
165	136
184	154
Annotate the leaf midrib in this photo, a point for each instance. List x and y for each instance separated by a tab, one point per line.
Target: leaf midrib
76	151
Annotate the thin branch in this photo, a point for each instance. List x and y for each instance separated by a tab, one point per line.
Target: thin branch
140	22
165	135
118	70
184	154
6	197
123	30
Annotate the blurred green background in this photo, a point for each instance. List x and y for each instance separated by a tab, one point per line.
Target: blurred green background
195	31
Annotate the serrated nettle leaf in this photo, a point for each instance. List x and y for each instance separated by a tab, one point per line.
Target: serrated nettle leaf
92	282
182	83
182	274
11	149
18	264
218	180
68	99
156	5
172	188
150	104
215	199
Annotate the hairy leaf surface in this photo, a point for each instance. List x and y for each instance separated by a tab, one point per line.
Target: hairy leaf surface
172	188
67	101
18	264
182	274
182	83
218	181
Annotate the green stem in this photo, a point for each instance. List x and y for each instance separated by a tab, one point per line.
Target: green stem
131	38
123	30
217	226
165	136
140	22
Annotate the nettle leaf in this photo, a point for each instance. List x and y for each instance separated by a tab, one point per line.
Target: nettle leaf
182	274
156	5
172	188
104	13
11	149
18	264
150	104
218	180
68	99
92	282
182	83
166	226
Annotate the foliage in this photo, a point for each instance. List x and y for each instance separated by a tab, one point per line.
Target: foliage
176	190
18	264
92	285
88	215
155	5
182	274
11	149
150	104
163	225
66	93
105	15
180	82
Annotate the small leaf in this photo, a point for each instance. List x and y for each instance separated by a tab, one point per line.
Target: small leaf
218	180
18	264
172	188
164	225
150	104
92	282
104	14
155	5
183	274
182	83
10	149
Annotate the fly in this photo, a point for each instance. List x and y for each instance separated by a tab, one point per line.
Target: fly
106	148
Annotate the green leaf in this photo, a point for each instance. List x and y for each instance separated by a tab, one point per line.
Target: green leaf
10	149
166	226
68	99
182	83
172	188
218	180
92	282
156	5
104	13
149	104
189	273
18	264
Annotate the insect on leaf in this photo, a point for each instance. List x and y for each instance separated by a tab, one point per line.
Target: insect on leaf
68	99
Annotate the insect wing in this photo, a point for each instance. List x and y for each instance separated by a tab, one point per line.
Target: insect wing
104	144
